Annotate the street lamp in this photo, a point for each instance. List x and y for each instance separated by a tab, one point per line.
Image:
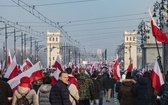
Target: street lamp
143	29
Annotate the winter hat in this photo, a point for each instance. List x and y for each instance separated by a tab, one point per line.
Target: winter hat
25	82
128	75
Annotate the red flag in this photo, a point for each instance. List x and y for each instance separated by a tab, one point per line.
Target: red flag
156	77
157	33
130	67
12	70
57	64
116	70
26	65
9	58
34	73
55	76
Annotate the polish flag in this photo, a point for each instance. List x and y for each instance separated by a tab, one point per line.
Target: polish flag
156	77
12	70
130	67
9	58
55	76
116	69
57	64
34	73
157	33
27	64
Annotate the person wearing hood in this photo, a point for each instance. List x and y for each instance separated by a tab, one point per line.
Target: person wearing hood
25	89
125	92
141	91
44	91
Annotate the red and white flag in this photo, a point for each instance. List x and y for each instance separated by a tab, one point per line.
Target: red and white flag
156	77
27	64
157	33
58	64
130	67
55	76
34	73
9	58
12	70
116	69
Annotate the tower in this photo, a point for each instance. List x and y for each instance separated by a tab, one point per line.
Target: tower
53	47
130	49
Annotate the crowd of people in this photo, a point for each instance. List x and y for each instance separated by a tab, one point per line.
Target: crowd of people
134	88
70	89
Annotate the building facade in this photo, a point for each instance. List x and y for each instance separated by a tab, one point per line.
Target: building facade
53	47
130	49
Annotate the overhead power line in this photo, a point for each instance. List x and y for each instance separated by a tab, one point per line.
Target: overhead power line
32	10
106	28
22	28
50	4
100	18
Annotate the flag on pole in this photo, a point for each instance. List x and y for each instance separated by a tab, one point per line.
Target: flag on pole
27	64
156	77
9	60
157	33
57	64
55	76
34	73
130	67
12	70
116	69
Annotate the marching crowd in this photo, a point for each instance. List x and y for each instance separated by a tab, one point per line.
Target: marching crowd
134	88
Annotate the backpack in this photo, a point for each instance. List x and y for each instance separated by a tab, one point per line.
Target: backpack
164	97
2	96
23	101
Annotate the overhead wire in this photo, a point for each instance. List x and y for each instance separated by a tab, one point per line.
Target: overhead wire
50	4
37	14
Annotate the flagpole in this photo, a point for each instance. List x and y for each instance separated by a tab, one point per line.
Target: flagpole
159	57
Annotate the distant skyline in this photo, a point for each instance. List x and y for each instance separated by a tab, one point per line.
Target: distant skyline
93	23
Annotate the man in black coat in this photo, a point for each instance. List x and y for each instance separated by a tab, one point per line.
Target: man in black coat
6	91
59	94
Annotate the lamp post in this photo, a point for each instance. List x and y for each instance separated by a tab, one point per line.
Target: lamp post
162	10
143	30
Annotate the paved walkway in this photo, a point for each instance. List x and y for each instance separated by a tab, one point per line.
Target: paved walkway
113	101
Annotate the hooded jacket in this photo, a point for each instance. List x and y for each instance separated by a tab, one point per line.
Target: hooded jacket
126	94
141	91
43	94
29	93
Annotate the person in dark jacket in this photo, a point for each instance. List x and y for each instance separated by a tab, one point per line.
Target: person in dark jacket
101	81
59	94
107	86
163	88
95	96
7	91
141	93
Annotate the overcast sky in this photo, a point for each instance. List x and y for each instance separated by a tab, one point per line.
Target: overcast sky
93	23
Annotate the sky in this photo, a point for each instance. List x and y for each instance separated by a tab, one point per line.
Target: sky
93	23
